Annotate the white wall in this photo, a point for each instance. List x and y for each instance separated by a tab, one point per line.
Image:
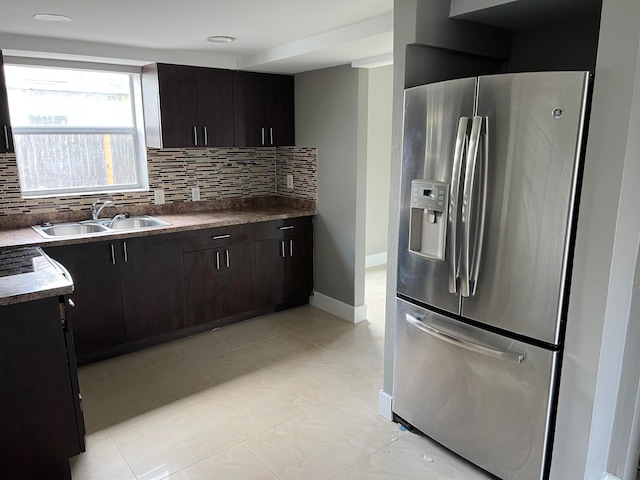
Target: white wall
380	101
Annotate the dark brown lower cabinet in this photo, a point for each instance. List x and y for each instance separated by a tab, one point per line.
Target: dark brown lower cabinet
284	270
42	424
239	284
152	282
300	268
99	323
219	283
133	292
203	286
125	290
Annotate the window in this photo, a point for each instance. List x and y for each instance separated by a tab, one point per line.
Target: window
76	131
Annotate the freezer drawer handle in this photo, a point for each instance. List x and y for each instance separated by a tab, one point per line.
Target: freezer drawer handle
460	342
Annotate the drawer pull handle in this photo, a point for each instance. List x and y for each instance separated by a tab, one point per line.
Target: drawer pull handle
287	227
511	355
220	237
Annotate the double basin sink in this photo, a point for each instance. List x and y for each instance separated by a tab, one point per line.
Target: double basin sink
89	227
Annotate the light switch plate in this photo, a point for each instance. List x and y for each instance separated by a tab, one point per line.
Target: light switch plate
290	181
195	194
158	197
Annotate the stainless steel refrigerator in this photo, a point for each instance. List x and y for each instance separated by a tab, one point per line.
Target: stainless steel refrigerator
490	174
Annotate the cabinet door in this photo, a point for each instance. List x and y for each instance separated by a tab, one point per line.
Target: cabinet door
98	324
203	285
215	106
271	272
299	268
279	110
39	426
248	109
178	106
239	278
6	139
152	278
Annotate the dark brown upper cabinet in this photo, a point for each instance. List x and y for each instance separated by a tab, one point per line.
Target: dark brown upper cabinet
6	138
263	109
187	106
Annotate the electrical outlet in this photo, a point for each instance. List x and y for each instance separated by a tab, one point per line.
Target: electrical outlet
158	197
290	181
195	194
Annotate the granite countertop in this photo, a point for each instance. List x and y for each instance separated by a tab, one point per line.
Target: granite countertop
28	274
179	222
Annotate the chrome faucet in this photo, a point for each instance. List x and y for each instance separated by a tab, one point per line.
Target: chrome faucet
95	210
119	216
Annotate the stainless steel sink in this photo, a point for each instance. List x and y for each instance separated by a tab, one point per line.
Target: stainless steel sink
96	227
133	223
70	229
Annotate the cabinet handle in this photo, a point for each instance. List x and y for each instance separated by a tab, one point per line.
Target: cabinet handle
282	252
217	260
126	255
262	135
291	248
195	136
271	134
6	136
226	254
287	227
71	303
206	136
220	237
113	255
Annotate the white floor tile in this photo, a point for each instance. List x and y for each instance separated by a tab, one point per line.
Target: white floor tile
292	395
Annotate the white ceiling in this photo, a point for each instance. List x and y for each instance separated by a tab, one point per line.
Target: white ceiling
287	36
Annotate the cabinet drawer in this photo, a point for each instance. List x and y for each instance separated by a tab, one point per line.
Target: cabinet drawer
288	227
216	237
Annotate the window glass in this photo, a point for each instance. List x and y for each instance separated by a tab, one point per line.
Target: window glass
75	130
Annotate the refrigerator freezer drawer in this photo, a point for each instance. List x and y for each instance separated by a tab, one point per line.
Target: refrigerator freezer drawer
485	397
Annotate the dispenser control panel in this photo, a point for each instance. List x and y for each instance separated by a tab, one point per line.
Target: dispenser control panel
430	195
428	222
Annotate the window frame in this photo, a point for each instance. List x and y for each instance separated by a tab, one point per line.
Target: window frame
136	130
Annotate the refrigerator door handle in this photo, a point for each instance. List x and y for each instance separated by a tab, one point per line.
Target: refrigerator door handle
484	176
467	206
508	355
454	195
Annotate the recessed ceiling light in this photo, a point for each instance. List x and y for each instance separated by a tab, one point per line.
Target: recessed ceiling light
51	17
220	39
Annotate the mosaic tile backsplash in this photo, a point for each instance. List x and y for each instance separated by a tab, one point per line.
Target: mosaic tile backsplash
221	173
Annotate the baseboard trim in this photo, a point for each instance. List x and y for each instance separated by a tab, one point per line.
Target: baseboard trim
384	405
338	308
375	260
608	476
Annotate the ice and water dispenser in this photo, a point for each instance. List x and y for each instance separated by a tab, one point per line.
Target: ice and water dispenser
428	223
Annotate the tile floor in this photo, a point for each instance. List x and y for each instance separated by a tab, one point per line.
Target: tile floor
292	395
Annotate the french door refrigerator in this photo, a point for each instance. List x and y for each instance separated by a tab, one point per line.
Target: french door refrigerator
490	173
